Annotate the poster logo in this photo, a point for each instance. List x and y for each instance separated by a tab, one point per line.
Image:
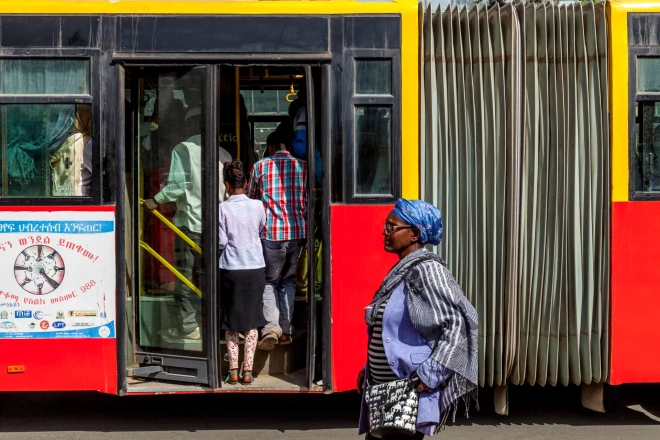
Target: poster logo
39	315
39	269
82	313
32	325
104	332
23	314
44	325
59	314
4	315
59	324
7	325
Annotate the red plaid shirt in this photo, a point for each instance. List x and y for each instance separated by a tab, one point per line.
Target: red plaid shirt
280	182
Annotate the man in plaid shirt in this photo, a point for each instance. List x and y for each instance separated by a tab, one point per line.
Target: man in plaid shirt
280	182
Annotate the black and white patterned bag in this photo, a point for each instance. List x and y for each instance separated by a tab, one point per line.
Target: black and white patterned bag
393	408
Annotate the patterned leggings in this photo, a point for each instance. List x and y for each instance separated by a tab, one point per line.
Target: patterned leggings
250	348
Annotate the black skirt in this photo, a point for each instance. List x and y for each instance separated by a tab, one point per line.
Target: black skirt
241	299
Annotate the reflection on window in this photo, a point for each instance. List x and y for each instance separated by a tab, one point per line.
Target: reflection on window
268	102
647	148
373	150
647	75
41	77
46	150
373	77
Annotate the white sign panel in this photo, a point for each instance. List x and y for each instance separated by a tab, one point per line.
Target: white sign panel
57	273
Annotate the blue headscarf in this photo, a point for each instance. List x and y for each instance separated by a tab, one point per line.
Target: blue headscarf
423	216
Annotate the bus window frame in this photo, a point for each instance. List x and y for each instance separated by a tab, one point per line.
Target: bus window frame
93	56
350	101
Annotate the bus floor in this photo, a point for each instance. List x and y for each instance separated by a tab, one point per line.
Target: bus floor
295	382
279	370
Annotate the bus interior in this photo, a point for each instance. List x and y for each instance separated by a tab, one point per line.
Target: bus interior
164	106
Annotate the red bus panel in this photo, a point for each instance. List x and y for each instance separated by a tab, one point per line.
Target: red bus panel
635	323
59	334
359	265
59	365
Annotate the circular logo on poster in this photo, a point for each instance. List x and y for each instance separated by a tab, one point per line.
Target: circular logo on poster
39	269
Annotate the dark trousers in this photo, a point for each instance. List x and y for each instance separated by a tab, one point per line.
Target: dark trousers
189	262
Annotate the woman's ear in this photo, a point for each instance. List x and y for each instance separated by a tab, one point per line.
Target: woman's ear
415	235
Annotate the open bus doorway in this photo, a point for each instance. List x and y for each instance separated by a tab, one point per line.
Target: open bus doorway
175	117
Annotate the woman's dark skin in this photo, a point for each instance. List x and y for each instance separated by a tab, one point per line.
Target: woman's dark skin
231	191
403	241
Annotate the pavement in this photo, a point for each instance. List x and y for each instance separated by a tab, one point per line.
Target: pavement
632	413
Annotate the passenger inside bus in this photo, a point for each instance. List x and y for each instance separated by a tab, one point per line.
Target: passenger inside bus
280	181
71	164
184	188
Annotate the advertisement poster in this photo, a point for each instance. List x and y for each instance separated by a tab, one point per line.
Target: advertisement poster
57	273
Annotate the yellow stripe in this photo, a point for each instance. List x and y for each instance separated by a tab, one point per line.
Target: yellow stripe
618	66
409	102
171	268
201	7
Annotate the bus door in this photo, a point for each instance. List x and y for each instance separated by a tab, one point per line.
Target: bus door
253	102
173	265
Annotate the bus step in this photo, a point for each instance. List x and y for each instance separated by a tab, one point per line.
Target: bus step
144	371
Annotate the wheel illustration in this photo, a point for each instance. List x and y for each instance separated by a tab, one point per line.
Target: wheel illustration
39	269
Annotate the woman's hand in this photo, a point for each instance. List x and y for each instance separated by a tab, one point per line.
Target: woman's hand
360	381
422	387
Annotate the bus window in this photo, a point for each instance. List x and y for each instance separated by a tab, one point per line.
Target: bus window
372	141
373	127
45	149
647	126
648	146
373	150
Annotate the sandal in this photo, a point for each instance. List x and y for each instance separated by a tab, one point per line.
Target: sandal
229	376
285	339
247	374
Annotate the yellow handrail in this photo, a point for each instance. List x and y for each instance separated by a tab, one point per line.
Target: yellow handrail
171	268
176	230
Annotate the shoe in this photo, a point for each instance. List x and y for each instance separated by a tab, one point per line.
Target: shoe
247	374
230	377
268	342
175	333
285	339
194	335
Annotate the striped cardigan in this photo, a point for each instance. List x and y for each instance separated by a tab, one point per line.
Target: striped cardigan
443	316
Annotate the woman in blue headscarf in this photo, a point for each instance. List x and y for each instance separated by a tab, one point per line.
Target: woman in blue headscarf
420	324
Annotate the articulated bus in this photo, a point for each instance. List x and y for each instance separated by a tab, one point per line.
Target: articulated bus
94	95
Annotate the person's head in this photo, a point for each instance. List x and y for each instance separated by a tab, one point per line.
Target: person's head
411	225
274	142
285	129
295	105
192	122
234	176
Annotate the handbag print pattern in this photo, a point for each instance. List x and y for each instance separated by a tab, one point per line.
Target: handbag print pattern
393	406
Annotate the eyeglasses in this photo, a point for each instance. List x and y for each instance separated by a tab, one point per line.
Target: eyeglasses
390	228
